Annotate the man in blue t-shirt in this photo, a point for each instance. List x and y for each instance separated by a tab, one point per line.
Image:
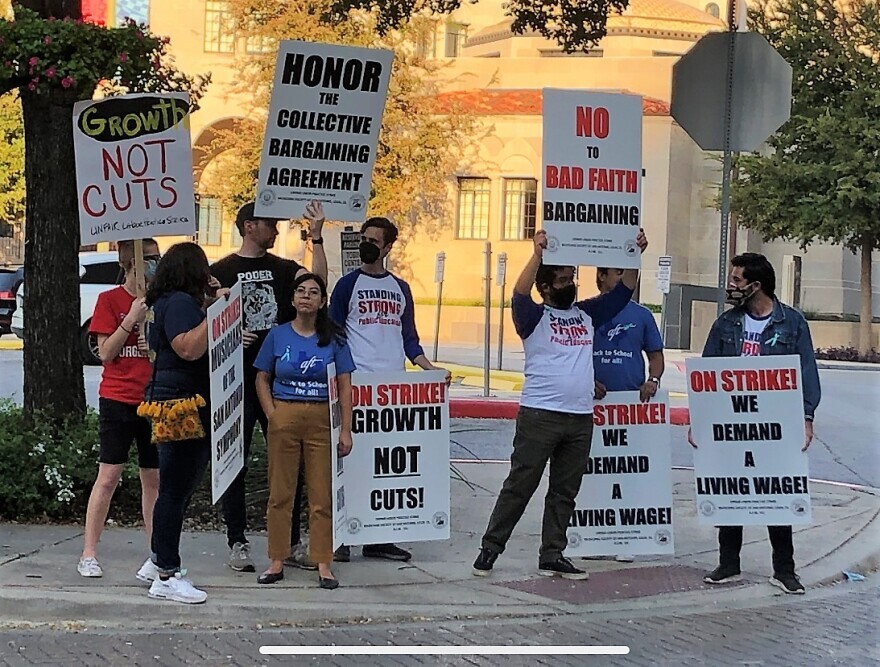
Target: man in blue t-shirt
617	351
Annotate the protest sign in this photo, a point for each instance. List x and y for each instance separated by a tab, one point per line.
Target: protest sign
226	356
592	185
134	167
396	479
747	418
625	502
323	127
351	257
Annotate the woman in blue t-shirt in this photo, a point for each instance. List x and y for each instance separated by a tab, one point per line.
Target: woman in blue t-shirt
294	391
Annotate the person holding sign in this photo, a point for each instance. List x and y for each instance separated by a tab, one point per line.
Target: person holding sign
555	419
116	324
266	294
759	324
618	348
376	309
292	385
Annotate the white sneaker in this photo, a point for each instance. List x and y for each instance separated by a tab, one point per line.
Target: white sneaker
625	559
148	572
177	588
89	567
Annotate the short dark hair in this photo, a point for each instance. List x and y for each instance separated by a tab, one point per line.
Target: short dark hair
126	249
389	229
757	268
546	274
184	268
246	213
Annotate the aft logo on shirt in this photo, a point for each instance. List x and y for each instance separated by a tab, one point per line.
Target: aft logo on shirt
569	331
619	329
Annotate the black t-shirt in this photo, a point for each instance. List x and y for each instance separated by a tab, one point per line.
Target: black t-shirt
175	377
266	293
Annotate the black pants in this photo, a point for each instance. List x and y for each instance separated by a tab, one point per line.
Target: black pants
234	503
730	539
561	438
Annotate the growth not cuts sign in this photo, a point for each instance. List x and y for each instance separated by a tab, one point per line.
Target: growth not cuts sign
134	167
747	418
322	130
394	486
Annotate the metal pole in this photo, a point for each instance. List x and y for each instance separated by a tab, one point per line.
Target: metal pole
663	317
501	331
437	319
726	162
487	277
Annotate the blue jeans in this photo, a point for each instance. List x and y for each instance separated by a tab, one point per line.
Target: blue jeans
181	465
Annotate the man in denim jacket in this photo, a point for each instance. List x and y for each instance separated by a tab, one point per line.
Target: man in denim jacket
758	324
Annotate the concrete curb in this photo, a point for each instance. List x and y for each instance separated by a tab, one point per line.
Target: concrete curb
16	344
501	408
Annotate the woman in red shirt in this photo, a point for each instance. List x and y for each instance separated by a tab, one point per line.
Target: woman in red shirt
116	324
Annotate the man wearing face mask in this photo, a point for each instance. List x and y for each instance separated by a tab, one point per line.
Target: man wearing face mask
759	324
376	309
555	419
266	294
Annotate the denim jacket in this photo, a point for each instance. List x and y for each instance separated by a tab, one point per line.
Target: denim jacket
787	333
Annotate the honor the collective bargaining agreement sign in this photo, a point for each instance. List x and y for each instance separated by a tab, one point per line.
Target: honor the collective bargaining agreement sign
592	188
396	479
747	418
226	356
134	167
625	502
322	130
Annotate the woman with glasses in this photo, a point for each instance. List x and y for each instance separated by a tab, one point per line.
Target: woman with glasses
293	389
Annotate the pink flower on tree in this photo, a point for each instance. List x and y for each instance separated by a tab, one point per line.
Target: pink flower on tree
67	82
34	61
33	84
123	57
50	73
47	40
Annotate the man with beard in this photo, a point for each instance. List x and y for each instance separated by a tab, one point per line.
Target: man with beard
555	419
376	309
266	295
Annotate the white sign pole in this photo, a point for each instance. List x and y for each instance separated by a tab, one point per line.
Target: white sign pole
664	282
340	514
747	418
625	502
226	356
592	185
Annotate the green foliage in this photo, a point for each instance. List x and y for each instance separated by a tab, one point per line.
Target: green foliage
47	469
11	160
821	181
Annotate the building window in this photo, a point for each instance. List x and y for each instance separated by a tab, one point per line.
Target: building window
456	36
713	9
256	43
473	208
520	208
219	27
426	40
209	223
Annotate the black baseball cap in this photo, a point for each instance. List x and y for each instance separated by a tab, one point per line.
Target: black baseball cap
246	213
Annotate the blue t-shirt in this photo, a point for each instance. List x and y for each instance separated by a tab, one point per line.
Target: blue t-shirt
172	315
298	365
617	351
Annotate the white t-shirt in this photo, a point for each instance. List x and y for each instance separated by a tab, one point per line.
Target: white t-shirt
753	330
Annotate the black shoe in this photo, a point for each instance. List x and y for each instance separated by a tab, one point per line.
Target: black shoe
327	583
723	574
386	551
562	567
342	554
485	560
270	577
788	583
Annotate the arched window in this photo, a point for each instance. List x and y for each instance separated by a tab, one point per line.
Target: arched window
713	10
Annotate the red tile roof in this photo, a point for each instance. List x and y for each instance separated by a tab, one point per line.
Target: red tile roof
522	102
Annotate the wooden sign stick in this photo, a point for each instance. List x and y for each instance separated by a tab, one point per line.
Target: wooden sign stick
139	267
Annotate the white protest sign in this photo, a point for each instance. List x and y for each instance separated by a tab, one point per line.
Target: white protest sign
340	514
664	273
592	186
134	172
226	356
625	502
322	130
396	479
747	418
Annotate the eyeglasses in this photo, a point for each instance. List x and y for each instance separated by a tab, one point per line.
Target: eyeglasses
302	291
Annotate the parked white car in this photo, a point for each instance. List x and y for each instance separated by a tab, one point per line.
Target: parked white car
99	272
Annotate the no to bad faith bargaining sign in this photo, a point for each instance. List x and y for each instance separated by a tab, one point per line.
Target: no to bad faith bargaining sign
134	167
322	130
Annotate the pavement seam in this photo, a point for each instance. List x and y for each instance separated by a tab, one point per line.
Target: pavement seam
39	549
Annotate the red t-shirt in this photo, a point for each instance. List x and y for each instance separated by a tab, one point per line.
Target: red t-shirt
125	378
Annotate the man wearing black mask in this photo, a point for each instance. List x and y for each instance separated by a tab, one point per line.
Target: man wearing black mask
555	419
376	309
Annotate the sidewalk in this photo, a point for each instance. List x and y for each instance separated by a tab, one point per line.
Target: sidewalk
39	583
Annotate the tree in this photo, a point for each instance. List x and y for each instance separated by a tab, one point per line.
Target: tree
821	178
415	144
55	59
11	160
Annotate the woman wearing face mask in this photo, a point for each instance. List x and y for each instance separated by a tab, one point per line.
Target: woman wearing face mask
292	386
117	325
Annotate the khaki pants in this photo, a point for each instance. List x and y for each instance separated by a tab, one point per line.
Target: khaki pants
300	431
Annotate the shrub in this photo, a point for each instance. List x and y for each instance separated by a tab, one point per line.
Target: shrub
844	353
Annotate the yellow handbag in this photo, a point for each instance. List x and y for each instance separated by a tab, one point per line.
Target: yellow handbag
175	419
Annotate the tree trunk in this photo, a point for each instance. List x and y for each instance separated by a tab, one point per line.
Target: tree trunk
866	314
53	362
